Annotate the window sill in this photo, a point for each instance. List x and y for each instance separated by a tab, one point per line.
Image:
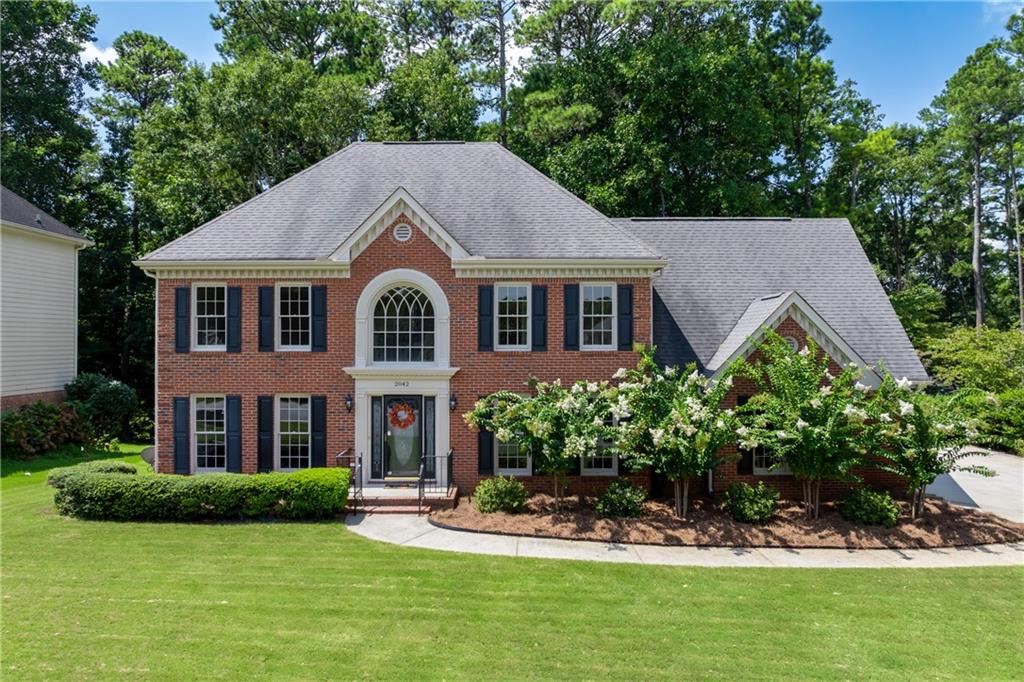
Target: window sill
209	349
512	349
590	349
293	349
515	473
599	473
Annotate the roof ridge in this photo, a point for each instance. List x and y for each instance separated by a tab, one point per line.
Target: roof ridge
248	201
625	233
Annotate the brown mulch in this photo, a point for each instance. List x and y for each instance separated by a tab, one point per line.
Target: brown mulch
707	524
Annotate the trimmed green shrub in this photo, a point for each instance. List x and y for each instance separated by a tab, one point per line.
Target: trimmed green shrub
621	498
109	404
500	494
57	477
870	508
41	427
751	504
306	494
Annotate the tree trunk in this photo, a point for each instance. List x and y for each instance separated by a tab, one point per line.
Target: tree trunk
686	496
678	488
979	287
503	76
558	497
1016	225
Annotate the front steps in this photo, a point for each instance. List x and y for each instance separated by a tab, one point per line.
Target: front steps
399	501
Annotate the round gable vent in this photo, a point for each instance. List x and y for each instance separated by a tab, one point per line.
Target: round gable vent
402	232
792	342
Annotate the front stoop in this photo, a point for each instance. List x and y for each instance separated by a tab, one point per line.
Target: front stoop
399	501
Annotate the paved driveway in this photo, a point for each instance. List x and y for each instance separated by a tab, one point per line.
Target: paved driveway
1002	494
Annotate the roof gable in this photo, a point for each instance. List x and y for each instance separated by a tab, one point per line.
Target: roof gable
399	203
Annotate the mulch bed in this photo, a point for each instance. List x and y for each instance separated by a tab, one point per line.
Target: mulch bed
943	525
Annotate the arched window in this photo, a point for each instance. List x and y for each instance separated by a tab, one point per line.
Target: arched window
403	326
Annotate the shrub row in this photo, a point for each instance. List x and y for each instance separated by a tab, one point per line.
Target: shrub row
40	427
89	492
57	477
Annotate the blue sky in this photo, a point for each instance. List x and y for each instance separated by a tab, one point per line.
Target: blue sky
899	53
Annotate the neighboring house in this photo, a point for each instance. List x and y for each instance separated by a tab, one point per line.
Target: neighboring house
38	303
364	304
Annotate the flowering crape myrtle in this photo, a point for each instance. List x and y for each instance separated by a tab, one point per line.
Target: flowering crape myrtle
920	439
811	421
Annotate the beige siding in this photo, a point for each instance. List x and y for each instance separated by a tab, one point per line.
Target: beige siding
38	312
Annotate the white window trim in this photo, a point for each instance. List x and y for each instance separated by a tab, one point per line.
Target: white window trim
194	447
614	471
529	316
277	429
782	470
614	344
278	346
193	323
498	471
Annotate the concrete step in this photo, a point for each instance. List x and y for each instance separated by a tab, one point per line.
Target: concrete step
388	509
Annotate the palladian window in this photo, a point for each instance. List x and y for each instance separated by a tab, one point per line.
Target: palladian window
403	326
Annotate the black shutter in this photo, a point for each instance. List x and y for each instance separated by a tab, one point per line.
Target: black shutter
182	339
319	295
318	427
265	427
571	312
234	433
625	316
266	319
746	463
539	313
234	319
485	452
485	317
182	426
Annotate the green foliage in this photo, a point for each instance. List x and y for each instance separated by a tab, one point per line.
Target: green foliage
58	476
985	359
870	508
108	404
306	494
812	421
998	418
621	498
676	422
40	427
919	308
500	494
751	504
919	438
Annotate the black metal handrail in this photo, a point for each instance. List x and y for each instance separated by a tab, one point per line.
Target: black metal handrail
428	480
355	463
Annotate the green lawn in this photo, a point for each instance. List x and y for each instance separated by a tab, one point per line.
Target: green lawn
313	601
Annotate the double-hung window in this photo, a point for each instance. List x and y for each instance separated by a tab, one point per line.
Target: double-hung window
293	317
513	316
210	435
512	459
597	316
293	433
604	462
211	317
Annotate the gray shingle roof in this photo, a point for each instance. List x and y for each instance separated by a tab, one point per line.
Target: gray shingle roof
490	201
14	209
718	267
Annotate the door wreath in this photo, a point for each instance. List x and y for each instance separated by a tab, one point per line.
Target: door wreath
401	415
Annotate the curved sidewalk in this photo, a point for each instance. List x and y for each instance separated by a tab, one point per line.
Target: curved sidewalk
416	531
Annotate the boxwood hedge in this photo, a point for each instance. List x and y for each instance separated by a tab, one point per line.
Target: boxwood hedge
92	492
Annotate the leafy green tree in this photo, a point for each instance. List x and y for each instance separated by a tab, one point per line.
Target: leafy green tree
427	98
811	420
918	439
332	36
43	80
556	425
676	424
985	359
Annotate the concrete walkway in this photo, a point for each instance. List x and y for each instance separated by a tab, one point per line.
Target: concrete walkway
416	531
1002	494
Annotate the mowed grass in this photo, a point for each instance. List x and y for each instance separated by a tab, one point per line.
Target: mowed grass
89	600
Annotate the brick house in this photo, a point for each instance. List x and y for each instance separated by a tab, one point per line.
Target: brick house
361	306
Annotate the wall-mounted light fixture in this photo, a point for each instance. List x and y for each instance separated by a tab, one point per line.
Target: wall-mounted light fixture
348	403
452	402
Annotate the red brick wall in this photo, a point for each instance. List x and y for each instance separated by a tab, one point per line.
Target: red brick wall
10	402
251	373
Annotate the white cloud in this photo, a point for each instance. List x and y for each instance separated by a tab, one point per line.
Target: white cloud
998	11
104	55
